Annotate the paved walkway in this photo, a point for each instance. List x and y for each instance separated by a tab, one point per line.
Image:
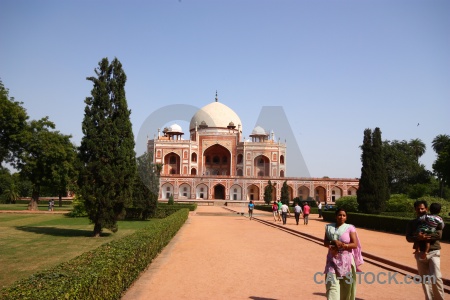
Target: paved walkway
222	255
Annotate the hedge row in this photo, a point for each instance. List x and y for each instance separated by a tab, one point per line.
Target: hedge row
161	212
103	273
389	224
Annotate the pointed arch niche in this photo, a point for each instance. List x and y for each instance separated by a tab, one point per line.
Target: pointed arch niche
217	160
171	164
252	192
261	166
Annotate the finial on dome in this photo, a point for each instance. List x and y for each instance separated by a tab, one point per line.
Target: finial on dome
216	97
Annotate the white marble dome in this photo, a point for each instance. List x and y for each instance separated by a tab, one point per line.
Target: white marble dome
215	114
175	128
258	130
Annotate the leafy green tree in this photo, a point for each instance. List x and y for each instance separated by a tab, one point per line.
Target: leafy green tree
66	173
5	182
373	189
268	193
402	167
146	186
441	167
440	142
418	148
43	151
107	148
284	197
12	193
23	184
13	120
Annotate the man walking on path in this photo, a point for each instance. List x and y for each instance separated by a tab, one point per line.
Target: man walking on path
297	212
279	209
319	207
284	212
429	269
306	210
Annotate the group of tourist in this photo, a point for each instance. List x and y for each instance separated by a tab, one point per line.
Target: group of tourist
281	211
344	252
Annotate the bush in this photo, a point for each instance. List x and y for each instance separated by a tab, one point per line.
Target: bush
170	202
399	203
78	210
349	203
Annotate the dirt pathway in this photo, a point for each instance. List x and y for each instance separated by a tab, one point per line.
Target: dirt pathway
222	255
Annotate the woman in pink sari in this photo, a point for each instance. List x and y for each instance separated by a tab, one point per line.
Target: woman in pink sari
343	259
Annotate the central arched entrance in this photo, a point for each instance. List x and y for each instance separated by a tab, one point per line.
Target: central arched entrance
217	160
219	192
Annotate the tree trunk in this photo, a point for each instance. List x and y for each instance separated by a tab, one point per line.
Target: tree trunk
60	200
33	205
97	230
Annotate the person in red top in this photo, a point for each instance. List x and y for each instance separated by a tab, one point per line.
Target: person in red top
306	210
275	211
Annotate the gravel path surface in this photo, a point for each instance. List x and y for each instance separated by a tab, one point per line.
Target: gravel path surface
218	254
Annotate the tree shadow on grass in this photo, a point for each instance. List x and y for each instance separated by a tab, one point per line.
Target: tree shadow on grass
55	231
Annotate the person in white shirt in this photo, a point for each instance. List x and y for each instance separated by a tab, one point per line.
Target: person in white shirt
284	212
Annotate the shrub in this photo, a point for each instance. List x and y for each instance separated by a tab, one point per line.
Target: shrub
349	203
78	210
399	203
170	202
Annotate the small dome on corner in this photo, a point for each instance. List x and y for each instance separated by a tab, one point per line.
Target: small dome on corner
258	130
175	128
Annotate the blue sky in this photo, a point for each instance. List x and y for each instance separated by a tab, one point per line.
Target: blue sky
336	67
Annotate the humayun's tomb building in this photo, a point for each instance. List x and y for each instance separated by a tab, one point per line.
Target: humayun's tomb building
216	163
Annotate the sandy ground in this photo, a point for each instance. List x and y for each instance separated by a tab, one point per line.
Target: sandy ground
222	255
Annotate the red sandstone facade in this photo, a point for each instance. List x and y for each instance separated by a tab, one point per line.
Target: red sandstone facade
216	163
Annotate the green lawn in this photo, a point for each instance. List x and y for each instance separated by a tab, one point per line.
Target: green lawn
33	242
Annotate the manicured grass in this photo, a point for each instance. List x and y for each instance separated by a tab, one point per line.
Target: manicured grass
33	242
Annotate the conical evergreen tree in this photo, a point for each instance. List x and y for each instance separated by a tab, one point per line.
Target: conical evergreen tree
107	148
373	191
381	176
365	192
268	193
284	193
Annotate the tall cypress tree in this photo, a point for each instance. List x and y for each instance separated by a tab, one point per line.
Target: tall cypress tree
365	190
284	197
382	193
373	191
268	193
107	148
